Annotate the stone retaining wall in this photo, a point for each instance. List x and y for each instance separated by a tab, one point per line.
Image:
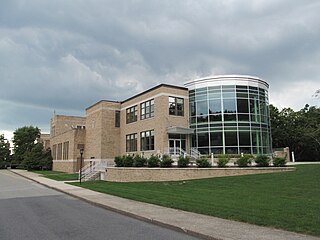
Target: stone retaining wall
120	174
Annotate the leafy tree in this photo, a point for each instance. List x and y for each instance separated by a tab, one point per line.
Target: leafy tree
38	158
24	139
300	131
4	152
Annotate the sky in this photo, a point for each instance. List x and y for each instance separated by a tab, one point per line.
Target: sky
65	55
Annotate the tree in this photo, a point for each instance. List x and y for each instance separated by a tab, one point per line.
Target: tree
300	131
24	139
38	158
4	152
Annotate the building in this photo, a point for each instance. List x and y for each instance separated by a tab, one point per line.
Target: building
152	122
230	115
221	114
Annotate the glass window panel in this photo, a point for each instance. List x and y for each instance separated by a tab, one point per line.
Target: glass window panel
215	106
229	105
245	150
215	95
242	95
216	138
203	139
228	87
244	138
231	138
217	150
203	118
228	95
202	108
243	117
229	117
242	105
215	118
231	150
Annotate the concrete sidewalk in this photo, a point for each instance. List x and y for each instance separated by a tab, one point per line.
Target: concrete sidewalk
194	224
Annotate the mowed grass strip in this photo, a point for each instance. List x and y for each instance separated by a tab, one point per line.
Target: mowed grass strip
288	200
59	176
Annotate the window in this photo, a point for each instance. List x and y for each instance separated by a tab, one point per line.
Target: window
117	118
65	150
147	140
147	109
131	114
54	152
131	142
59	152
176	106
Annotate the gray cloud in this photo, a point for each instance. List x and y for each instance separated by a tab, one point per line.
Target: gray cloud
66	55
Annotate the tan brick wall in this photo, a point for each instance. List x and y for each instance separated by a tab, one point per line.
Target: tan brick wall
61	124
159	122
102	138
67	166
114	174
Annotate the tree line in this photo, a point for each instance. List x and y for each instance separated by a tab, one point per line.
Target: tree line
28	151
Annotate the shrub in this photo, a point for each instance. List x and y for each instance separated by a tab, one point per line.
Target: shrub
223	161
262	161
183	161
118	160
279	162
153	161
203	163
244	161
166	161
128	161
139	161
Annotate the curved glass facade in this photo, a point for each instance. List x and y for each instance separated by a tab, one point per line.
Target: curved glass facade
230	115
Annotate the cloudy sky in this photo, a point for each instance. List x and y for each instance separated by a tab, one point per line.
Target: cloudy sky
65	55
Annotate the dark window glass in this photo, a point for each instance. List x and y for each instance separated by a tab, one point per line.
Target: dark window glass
176	106
243	117
203	139
192	108
231	150
147	140
231	138
242	105
131	114
131	142
216	139
215	118
117	118
203	118
229	117
244	138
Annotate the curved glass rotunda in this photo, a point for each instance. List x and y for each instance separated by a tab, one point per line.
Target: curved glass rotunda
230	115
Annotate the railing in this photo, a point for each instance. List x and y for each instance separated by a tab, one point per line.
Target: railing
194	153
175	152
92	170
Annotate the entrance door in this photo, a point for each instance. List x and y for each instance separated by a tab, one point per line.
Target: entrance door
175	146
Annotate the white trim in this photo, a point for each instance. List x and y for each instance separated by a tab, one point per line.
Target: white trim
64	161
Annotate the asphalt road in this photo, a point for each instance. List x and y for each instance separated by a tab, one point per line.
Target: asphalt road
31	211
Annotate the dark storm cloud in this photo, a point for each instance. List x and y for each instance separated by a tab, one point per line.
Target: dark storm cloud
67	55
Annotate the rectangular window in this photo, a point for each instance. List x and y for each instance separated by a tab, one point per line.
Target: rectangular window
131	114
147	140
117	118
176	106
131	142
147	109
59	155
54	152
65	150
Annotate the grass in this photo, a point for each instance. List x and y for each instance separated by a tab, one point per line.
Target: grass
58	176
288	200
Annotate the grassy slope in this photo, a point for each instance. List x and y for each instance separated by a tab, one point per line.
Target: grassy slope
288	200
59	176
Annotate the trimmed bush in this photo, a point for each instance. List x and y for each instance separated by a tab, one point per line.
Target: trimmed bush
118	160
244	161
166	161
203	163
139	161
153	161
183	161
223	161
279	162
128	161
262	161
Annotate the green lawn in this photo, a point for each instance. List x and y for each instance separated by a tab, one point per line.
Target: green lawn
59	176
289	200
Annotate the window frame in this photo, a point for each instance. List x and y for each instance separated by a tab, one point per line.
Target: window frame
174	106
132	114
147	140
132	142
147	109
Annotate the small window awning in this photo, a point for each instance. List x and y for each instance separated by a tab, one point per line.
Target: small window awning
180	130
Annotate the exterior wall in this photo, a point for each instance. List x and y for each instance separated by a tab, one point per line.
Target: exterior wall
61	124
45	140
158	123
74	138
178	174
230	115
102	137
